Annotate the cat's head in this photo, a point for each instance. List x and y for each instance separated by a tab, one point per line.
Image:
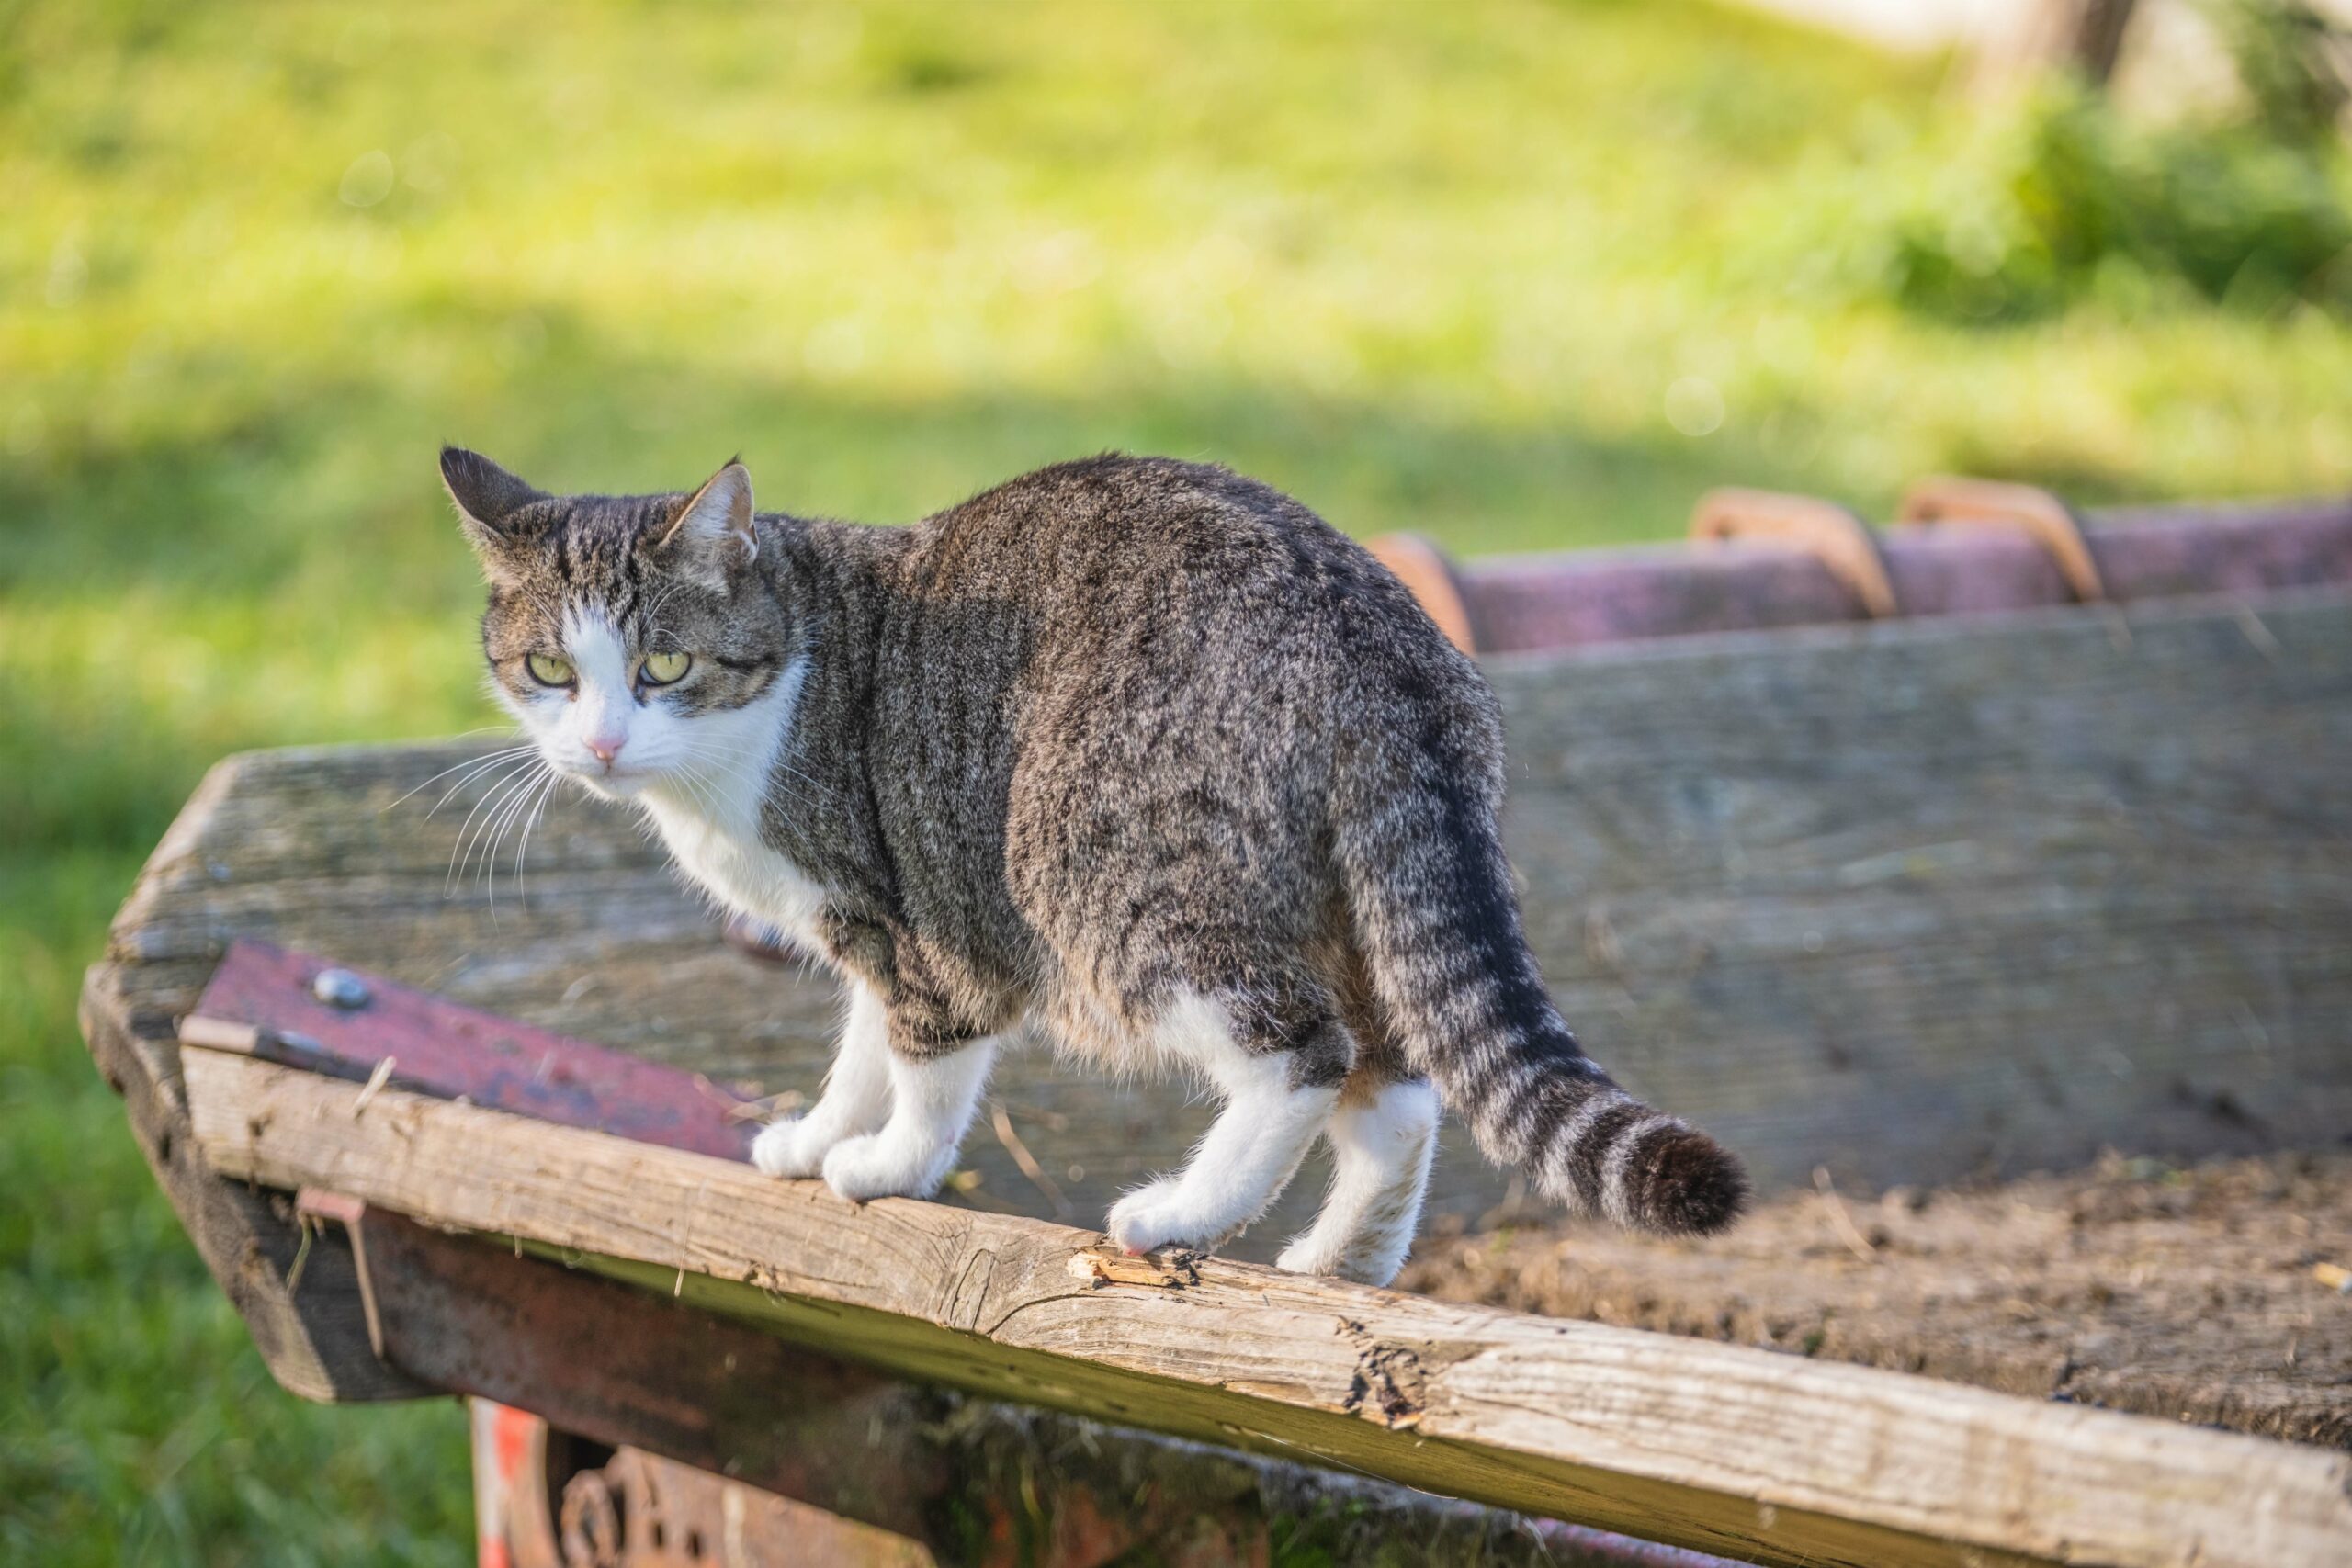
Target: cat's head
630	636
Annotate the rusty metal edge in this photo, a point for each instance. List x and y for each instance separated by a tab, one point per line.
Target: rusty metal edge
2057	528
1834	534
1430	577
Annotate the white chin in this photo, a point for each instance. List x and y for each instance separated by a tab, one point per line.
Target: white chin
615	787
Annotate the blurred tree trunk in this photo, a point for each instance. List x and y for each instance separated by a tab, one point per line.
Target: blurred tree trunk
2085	37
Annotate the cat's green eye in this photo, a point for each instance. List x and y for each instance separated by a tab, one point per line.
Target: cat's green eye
548	670
664	669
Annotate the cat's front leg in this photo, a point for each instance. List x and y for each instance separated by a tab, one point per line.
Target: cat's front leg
856	1099
932	1102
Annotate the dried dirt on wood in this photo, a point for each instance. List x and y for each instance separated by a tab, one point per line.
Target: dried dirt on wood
2199	1294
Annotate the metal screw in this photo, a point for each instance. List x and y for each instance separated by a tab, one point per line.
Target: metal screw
340	989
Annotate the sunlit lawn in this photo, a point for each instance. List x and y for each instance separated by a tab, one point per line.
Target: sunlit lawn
1503	273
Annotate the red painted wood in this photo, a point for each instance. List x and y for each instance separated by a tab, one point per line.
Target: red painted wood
1577	598
439	1047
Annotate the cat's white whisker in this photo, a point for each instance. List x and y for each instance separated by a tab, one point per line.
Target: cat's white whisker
741	772
696	786
751	756
489	779
470	762
539	806
519	802
471	838
470	767
514	766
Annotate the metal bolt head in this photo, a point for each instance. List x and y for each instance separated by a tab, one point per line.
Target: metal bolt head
340	989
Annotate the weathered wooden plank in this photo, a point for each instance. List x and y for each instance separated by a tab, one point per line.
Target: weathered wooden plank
2185	1294
1925	903
1703	1445
1920	900
628	1368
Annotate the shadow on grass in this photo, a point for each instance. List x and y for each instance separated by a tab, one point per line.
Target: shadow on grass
332	483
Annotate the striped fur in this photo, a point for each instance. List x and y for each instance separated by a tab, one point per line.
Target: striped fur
1420	849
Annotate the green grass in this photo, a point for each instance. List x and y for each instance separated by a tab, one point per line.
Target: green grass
1433	266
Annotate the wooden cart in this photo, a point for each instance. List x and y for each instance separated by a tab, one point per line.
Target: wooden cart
1909	897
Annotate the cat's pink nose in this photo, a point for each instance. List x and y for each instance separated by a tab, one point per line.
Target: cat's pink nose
605	747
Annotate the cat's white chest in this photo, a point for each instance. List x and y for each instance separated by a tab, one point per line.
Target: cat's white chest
711	826
729	861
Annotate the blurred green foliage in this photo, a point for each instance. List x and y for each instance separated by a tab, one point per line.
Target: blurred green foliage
2054	197
2294	62
2056	200
1521	274
2059	201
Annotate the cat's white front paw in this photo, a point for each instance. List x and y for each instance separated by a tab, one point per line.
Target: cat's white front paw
792	1145
878	1166
1156	1215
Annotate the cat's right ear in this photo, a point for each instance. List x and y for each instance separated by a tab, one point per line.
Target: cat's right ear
487	498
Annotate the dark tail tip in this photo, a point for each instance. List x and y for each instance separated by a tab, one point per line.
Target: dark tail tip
1687	1184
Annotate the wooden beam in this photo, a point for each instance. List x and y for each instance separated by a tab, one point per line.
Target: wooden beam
642	1373
1581	598
1703	1445
1926	899
630	1368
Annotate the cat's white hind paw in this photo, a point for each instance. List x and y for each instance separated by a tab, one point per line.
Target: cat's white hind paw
1374	1260
1310	1254
792	1145
880	1165
1156	1215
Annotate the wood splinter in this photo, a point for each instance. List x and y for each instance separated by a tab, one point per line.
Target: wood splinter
1101	1266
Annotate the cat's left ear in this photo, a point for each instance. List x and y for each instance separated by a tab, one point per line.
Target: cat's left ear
711	538
492	504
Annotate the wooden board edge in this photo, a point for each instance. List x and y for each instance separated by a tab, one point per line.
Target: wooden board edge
298	1292
1806	1461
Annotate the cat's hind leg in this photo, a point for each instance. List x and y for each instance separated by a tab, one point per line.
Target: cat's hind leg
1381	1149
856	1097
1280	1088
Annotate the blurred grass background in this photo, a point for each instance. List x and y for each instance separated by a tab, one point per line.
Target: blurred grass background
1518	274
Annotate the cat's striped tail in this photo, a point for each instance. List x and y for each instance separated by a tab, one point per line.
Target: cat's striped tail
1420	850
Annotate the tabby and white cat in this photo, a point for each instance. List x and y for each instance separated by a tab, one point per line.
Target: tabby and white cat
1137	750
